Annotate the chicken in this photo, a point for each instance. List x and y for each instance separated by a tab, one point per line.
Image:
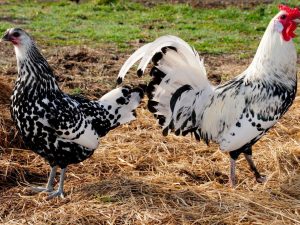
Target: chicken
235	114
63	129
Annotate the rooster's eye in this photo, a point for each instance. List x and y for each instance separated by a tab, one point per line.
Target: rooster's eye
283	17
16	34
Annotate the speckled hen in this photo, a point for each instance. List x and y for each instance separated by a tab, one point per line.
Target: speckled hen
235	114
63	129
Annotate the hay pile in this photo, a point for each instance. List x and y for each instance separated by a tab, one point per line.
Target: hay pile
8	134
137	176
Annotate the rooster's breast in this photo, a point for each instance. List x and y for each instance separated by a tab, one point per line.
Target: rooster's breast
241	112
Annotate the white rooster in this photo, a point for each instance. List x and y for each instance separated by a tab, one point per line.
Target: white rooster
235	114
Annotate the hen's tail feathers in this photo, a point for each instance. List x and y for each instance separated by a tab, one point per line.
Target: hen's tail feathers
179	88
122	103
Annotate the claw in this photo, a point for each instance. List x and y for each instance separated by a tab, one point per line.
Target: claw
41	189
60	191
49	187
54	194
261	179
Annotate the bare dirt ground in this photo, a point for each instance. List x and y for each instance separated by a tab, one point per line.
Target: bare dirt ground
137	176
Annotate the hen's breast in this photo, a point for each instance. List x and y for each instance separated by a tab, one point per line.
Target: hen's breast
32	112
26	109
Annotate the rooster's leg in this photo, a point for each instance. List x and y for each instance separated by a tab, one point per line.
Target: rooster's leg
232	172
60	190
49	186
233	157
248	155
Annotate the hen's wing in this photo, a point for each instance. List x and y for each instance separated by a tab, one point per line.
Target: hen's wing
66	117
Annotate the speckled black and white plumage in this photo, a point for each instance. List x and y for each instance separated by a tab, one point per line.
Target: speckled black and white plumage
234	114
63	129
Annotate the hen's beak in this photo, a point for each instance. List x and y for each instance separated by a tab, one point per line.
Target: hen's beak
5	37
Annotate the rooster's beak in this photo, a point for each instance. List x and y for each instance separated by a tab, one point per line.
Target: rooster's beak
297	21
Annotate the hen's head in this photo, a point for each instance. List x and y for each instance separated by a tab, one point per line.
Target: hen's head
286	21
21	40
17	36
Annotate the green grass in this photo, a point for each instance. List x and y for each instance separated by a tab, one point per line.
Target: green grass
76	91
98	22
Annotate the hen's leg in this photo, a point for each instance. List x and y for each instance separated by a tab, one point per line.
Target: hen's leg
248	155
49	186
60	190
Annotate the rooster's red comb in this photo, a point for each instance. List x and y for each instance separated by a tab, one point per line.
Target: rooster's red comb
292	12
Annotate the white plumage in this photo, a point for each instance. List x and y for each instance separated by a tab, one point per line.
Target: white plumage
235	114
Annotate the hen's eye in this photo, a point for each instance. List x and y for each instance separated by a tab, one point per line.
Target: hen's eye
16	34
283	17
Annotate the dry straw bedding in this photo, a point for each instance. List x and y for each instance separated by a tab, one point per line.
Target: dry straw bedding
137	176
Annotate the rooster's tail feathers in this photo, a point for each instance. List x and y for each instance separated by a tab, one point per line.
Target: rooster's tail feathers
185	53
136	56
178	83
177	109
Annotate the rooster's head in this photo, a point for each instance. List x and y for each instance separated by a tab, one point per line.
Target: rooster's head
286	21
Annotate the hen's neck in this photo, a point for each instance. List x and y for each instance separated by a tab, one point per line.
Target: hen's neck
275	59
33	69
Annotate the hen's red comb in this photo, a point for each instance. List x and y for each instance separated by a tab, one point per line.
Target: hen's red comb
292	12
